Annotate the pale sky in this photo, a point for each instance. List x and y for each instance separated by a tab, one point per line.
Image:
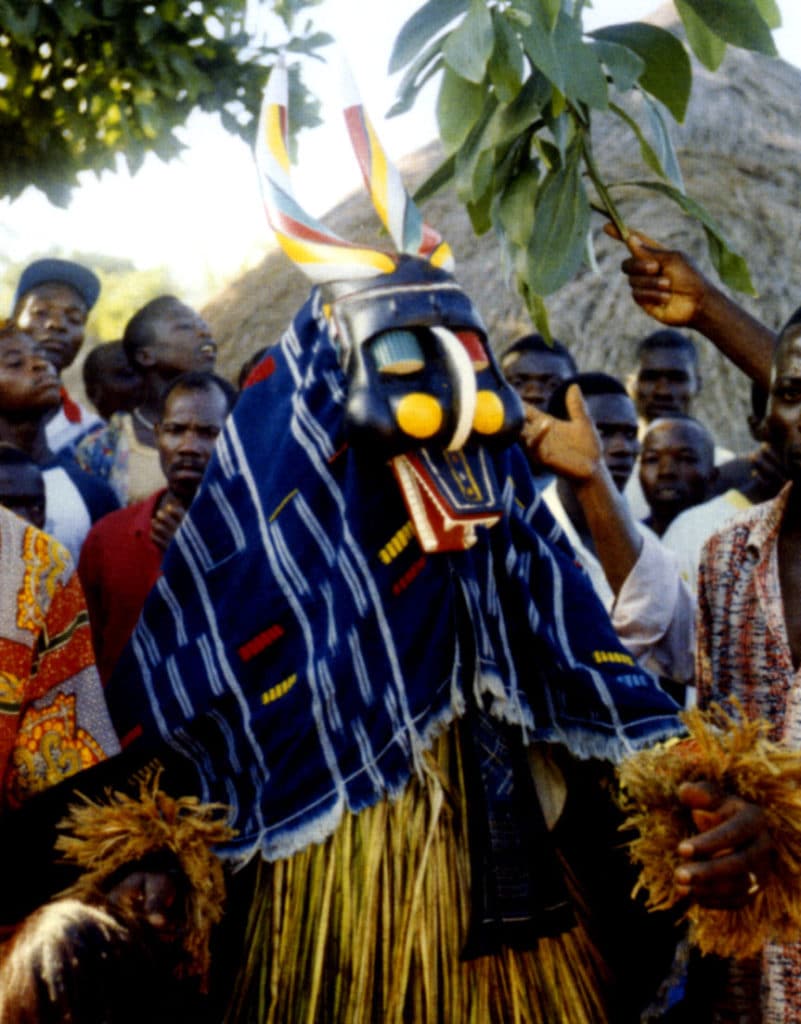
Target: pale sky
202	214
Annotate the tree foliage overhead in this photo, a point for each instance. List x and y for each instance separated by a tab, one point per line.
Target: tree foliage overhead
520	82
82	81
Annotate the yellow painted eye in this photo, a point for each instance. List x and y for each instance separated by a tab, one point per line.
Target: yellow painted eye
489	414
419	415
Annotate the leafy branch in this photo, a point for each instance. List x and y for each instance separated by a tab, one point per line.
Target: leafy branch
519	83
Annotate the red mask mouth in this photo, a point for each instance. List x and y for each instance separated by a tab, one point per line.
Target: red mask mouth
447	496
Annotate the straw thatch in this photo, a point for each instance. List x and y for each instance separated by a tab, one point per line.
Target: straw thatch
739	149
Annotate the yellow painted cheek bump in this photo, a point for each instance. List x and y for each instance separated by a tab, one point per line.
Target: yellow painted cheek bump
419	415
489	414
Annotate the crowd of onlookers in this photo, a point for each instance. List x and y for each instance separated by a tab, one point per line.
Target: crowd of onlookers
635	481
112	483
678	485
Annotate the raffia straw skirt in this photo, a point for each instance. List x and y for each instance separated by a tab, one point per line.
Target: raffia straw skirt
368	927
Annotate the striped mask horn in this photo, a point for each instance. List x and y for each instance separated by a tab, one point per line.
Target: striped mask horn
392	202
320	253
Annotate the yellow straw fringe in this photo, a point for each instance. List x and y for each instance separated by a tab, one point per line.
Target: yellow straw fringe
736	754
369	926
102	836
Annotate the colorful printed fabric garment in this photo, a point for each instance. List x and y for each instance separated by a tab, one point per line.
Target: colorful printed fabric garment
104	454
743	652
53	716
116	455
302	651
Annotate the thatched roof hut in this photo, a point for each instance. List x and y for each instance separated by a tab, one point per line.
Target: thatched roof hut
740	153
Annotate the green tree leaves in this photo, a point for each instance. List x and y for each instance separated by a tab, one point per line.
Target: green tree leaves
424	25
739	22
468	48
666	74
459	106
561	223
708	47
520	82
83	81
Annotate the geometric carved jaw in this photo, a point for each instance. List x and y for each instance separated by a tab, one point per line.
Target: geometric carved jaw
448	495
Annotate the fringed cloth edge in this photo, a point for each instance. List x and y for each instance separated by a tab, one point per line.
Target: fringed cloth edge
735	753
370	926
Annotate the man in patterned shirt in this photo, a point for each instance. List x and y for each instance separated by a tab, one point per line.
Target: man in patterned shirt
749	627
749	648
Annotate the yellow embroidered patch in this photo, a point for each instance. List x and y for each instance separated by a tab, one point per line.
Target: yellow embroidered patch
279	689
398	543
11	690
50	746
612	657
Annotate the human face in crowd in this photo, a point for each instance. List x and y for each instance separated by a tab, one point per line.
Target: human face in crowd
29	383
115	385
665	383
615	419
536	375
676	466
189	427
22	491
182	341
783	417
54	315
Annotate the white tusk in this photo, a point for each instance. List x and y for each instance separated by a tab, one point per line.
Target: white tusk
464	377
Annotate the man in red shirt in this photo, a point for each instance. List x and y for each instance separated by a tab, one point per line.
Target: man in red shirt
121	559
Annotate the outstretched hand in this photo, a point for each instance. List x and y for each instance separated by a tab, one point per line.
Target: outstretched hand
571	447
664	282
725	861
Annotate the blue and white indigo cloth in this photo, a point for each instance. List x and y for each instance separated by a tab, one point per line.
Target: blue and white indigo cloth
301	651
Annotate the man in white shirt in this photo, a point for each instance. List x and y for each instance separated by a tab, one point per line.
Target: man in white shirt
592	447
677	468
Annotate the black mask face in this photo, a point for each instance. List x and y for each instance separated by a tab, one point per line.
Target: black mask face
420	371
425	392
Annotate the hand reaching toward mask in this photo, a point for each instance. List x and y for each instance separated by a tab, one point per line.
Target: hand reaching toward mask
570	448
